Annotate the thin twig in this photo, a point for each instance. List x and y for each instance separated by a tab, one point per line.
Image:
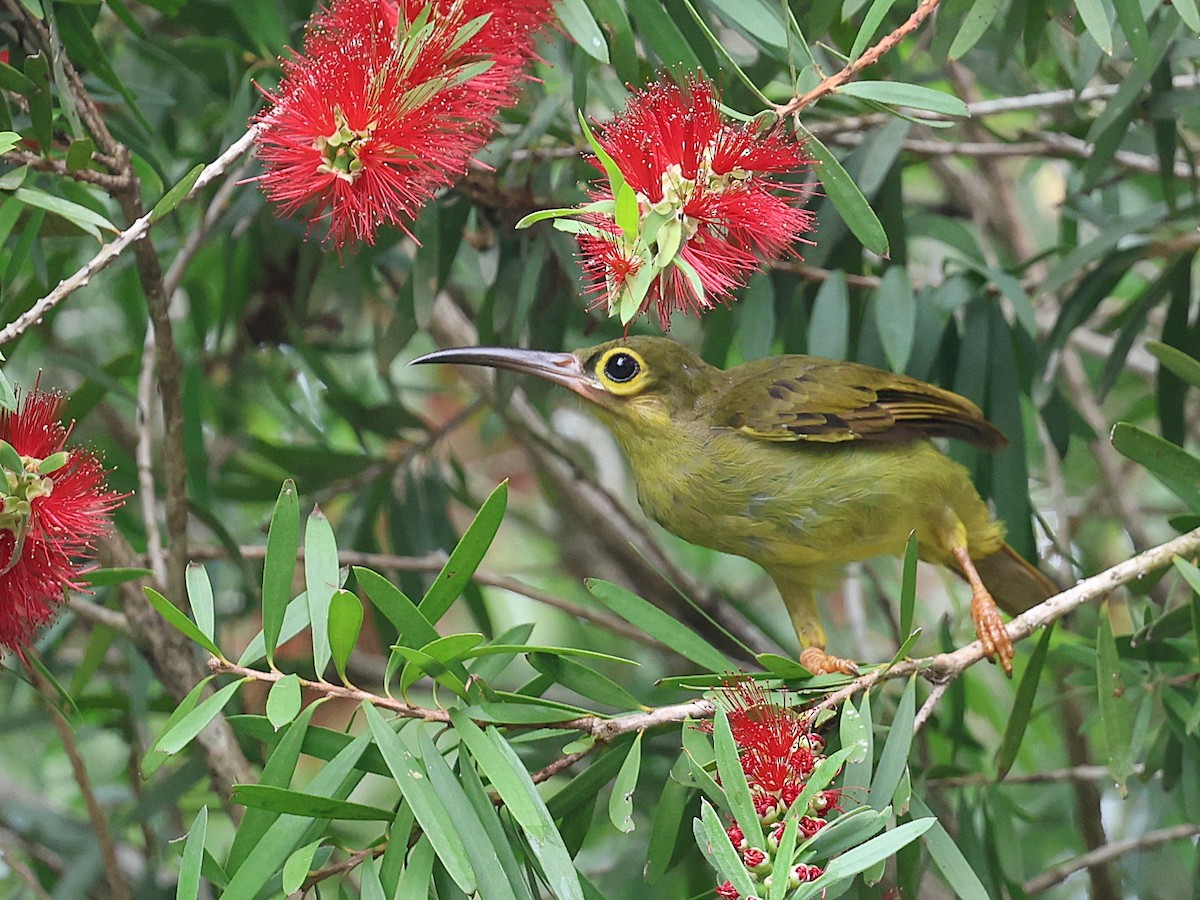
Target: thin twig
108	850
869	58
1109	852
1051	776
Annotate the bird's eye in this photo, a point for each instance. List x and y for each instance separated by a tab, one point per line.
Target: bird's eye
621	367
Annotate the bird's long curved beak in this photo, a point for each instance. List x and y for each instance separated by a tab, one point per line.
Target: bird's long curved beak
561	368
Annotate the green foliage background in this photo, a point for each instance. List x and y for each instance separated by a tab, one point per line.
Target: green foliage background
1034	248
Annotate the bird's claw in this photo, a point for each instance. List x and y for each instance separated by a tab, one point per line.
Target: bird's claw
817	661
989	627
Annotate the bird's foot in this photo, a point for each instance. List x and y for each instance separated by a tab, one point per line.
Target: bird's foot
817	661
997	645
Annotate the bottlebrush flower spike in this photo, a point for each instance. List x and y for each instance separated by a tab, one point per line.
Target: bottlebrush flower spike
691	205
55	504
386	105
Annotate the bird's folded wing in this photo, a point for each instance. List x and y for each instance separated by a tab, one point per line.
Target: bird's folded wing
799	398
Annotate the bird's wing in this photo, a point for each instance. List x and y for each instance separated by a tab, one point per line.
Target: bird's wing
803	398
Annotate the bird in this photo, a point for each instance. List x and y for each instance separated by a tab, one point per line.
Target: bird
800	464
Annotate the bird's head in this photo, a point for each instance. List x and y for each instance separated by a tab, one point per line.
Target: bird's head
637	380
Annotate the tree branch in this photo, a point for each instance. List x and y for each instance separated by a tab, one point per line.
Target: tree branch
1107	853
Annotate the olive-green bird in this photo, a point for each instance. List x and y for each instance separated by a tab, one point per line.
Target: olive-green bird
799	463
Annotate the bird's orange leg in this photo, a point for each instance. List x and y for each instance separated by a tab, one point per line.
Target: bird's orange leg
806	619
997	645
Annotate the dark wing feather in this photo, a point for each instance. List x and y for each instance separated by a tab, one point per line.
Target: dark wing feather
805	398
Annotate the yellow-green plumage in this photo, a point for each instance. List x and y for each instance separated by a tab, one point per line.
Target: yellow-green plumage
798	463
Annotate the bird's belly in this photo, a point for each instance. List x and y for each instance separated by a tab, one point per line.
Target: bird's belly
791	506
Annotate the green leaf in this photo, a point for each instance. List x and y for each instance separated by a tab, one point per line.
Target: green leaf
283	702
715	845
847	198
896	317
283	542
182	732
320	582
180	622
578	22
1133	23
600	206
1171	464
176	195
620	801
154	757
312	806
871	21
894	758
432	666
500	840
584	680
413	780
900	94
1018	717
188	886
466	557
345	623
1095	19
785	858
508	776
200	598
1189	12
669	817
733	780
866	855
975	24
295	620
908	585
10	458
616	179
1186	367
14	80
297	867
848	830
115	575
418	874
659	625
78	215
854	730
414	629
949	859
1116	712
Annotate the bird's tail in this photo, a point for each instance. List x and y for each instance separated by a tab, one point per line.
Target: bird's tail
1014	583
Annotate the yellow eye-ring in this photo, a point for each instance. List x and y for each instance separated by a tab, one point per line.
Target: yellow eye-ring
621	371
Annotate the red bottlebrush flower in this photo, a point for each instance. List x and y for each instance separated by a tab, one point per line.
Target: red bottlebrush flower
810	826
54	506
727	891
803	873
774	741
754	858
736	837
705	197
387	103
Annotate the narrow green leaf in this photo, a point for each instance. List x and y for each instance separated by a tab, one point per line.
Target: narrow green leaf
295	620
433	667
894	758
154	757
1189	12
466	557
733	780
1095	19
283	702
578	22
438	655
898	93
79	154
279	567
500	841
715	845
598	206
866	855
372	885
297	867
508	776
188	886
785	859
896	317
1018	717
974	25
180	735
345	623
312	806
854	729
14	80
200	598
1186	367
75	213
847	198
871	22
908	585
413	780
585	681
620	801
320	582
414	629
659	625
180	622
949	859
1175	467
1133	23
669	818
1116	712
418	873
176	194
848	830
